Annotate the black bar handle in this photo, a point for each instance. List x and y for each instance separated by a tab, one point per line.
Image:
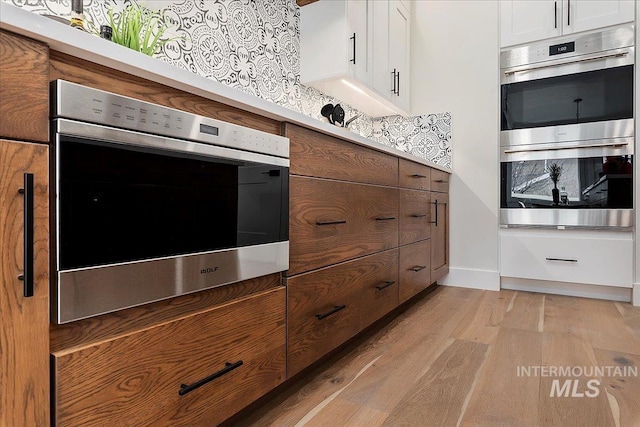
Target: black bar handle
562	259
228	367
334	310
385	218
398	75
341	221
386	285
436	221
418	215
354	48
440	181
27	275
417	175
568	12
418	268
393	76
555	14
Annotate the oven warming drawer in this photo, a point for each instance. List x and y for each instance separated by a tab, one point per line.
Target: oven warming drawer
87	292
582	218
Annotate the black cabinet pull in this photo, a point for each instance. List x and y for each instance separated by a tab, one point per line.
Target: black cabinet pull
568	12
562	259
385	218
334	310
436	221
417	175
418	268
354	48
393	76
440	181
341	221
555	14
228	367
27	275
386	285
398	76
418	215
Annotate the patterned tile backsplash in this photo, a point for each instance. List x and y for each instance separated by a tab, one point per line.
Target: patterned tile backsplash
254	46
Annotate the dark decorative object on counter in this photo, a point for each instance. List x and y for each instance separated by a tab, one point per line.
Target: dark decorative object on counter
335	114
106	32
77	15
555	170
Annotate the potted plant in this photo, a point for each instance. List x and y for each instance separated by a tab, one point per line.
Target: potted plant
138	28
555	170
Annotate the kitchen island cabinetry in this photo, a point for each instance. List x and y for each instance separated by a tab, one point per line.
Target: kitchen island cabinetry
24	228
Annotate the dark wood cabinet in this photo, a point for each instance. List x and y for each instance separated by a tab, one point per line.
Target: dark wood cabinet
333	221
440	181
24	341
24	89
414	175
415	216
415	269
194	371
439	235
328	306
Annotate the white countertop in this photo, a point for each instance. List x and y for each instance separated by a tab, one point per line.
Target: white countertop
86	46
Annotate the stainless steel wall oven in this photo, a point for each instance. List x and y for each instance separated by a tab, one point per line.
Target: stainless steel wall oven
152	202
567	131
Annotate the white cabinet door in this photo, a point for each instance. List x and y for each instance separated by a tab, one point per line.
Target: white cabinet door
399	50
523	21
583	15
382	80
359	39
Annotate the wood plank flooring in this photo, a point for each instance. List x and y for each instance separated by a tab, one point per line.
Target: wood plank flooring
463	357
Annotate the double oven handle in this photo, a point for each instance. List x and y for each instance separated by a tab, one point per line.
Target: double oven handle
574	61
529	150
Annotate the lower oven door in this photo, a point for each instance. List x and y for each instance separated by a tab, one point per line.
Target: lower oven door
575	184
141	218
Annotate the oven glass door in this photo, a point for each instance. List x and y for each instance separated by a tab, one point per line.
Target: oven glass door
601	182
117	203
591	96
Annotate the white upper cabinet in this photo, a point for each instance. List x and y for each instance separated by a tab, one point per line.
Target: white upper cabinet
523	21
399	49
358	52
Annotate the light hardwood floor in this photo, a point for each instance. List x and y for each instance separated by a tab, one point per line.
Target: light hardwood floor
452	358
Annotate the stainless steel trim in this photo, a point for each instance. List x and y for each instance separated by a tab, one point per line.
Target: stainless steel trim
572	61
569	218
613	38
74	101
623	128
572	149
123	137
87	292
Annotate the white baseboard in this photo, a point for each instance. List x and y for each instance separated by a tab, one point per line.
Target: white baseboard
636	294
572	289
472	278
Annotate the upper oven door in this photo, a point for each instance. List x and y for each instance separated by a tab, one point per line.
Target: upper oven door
585	92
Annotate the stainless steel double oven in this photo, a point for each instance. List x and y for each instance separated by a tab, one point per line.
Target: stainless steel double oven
152	202
567	132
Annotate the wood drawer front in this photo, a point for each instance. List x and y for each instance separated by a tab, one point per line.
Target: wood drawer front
352	284
24	88
319	155
333	221
415	269
597	258
414	175
440	181
415	216
137	377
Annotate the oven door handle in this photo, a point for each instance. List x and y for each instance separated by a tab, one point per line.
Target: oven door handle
559	64
527	150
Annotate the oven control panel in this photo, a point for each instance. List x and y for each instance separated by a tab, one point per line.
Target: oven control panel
73	101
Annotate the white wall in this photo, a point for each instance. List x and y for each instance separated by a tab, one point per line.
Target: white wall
454	67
